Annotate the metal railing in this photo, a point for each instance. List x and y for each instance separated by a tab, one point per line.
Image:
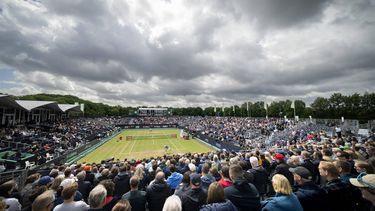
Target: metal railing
19	176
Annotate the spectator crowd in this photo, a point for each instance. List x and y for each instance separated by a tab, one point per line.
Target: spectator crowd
53	139
283	165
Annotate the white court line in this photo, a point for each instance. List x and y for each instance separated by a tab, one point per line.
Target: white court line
131	149
124	147
173	144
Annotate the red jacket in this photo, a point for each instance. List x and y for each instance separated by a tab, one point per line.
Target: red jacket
225	182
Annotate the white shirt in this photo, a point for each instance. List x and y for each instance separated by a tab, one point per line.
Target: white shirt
13	203
73	206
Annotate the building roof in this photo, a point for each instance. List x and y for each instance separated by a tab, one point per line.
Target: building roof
155	109
29	105
33	104
69	107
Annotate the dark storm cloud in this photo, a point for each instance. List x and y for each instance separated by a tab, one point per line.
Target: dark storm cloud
192	52
85	10
268	14
102	50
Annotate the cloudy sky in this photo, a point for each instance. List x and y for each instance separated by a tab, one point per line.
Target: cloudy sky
192	52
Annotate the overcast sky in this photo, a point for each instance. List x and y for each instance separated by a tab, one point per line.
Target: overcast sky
187	53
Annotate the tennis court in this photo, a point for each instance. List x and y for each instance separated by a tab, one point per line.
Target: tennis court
145	143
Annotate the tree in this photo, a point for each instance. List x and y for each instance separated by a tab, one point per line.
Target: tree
356	106
321	107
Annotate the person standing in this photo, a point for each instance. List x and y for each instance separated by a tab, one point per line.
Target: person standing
339	195
69	204
157	192
193	197
216	199
242	194
136	197
310	195
284	198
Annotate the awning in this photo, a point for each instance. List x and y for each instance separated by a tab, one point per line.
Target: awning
33	104
69	107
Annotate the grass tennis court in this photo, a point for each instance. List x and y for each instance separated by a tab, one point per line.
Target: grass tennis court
148	143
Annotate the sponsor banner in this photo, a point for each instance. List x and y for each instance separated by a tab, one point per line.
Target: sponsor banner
148	126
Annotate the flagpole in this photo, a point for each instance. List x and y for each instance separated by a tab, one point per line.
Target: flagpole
223	110
293	105
248	109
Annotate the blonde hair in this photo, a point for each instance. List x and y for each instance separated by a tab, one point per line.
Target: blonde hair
56	183
122	205
294	160
281	184
139	171
215	193
3	205
44	201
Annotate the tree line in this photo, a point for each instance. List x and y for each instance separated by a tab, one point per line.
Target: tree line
354	106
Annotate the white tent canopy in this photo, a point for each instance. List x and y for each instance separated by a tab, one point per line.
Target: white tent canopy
29	105
14	112
33	104
69	107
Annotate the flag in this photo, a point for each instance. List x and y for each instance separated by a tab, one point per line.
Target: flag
292	105
234	110
215	109
265	105
82	107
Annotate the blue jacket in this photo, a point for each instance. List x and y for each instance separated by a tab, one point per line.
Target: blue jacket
282	202
174	180
221	206
207	180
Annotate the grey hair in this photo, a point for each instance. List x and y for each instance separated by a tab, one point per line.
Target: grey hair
173	203
97	196
234	161
81	175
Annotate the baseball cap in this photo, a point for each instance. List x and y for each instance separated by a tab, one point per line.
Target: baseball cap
45	180
87	168
364	180
195	179
279	156
302	172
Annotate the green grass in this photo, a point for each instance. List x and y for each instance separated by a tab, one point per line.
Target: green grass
146	148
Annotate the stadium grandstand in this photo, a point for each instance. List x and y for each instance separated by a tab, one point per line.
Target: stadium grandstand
153	111
14	112
178	105
254	163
